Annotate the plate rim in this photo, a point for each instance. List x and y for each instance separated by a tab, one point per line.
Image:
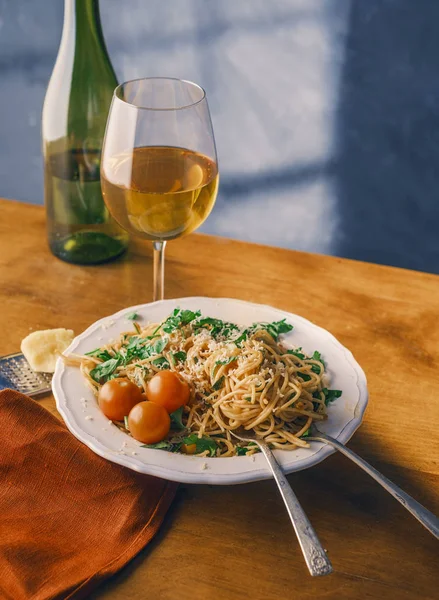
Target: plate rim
206	477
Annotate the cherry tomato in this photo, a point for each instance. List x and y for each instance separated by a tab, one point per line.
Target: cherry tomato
168	389
149	422
188	448
117	397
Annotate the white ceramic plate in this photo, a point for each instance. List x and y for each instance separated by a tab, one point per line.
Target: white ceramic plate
80	411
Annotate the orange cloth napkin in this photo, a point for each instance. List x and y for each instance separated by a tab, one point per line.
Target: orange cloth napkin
68	518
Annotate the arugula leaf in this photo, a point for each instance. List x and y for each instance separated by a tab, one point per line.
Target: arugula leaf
226	361
202	444
135	341
102	354
143	347
161	363
304	376
163	445
172	323
297	353
187	316
179	356
133	316
179	318
241	451
158	445
218	384
247	332
278	327
201	323
306	433
135	348
102	372
316	368
158	346
176	418
216	327
244	335
274	329
331	395
125	422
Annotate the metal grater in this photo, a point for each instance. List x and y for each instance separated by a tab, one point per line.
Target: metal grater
15	373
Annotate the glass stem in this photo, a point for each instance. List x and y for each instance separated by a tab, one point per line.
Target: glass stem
159	271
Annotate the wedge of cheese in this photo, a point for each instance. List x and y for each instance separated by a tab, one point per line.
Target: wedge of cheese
42	348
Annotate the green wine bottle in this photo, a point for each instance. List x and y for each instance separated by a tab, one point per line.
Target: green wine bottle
80	228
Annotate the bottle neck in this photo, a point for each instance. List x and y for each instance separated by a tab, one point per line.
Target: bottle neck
82	22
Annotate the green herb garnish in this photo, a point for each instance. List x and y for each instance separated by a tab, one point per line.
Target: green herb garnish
241	451
316	368
161	363
317	356
202	444
133	316
218	384
179	318
179	356
125	422
104	355
144	347
158	346
176	418
331	395
298	353
164	445
226	361
277	327
101	373
217	327
274	329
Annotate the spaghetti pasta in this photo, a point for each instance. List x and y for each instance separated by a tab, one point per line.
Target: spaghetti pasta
239	378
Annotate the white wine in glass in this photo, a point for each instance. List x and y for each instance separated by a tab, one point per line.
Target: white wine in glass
159	169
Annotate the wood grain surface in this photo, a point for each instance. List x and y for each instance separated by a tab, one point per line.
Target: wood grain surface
236	542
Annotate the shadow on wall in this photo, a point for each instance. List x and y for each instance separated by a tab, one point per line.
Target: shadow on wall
388	135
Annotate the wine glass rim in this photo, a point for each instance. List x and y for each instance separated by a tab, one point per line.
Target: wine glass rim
192	104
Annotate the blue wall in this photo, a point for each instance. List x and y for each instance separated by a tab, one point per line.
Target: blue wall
326	112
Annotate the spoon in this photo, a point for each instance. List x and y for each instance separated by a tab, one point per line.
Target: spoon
315	556
424	516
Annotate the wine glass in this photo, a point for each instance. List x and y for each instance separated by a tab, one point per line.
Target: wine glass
159	169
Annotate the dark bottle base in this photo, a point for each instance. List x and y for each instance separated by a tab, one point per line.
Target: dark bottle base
88	248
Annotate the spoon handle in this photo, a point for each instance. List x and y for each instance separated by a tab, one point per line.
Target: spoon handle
424	516
315	556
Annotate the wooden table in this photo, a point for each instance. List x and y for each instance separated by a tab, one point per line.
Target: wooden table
236	542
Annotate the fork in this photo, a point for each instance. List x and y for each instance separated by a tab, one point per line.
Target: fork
424	516
315	556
